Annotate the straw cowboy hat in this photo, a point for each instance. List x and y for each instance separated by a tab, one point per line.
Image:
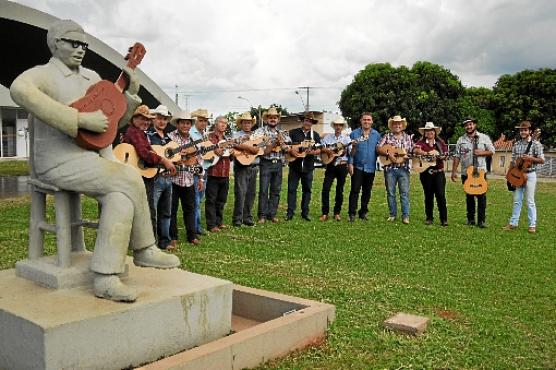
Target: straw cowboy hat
308	116
144	111
246	116
524	125
271	112
429	126
397	119
338	121
162	110
181	115
200	113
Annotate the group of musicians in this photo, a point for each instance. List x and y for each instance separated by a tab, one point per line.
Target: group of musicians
263	152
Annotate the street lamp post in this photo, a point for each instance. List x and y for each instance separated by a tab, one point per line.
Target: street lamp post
259	119
302	102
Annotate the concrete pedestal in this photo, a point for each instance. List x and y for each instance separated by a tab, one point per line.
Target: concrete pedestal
41	328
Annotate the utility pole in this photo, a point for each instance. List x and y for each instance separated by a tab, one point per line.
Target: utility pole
177	94
307	89
187	96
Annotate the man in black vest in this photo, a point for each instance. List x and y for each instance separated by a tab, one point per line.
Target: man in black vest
302	167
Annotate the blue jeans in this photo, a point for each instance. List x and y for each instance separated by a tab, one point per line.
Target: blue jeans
199	195
270	185
400	177
529	190
162	202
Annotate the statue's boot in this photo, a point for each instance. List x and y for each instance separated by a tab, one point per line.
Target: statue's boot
154	257
111	287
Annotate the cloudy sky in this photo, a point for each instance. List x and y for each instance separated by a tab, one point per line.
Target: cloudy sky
263	50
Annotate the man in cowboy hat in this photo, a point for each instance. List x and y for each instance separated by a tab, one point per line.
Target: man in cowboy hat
183	184
337	169
198	131
362	165
136	135
478	146
245	177
531	150
46	91
302	168
271	162
397	173
433	179
161	197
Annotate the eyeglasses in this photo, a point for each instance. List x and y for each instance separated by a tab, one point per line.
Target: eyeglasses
75	44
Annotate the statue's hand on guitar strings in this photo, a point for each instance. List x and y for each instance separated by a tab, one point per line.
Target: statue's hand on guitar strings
93	121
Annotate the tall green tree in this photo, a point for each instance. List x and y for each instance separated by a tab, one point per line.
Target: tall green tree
426	92
529	94
478	102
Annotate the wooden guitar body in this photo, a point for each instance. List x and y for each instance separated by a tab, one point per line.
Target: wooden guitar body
300	150
337	151
246	158
420	163
103	95
127	154
476	183
398	153
517	175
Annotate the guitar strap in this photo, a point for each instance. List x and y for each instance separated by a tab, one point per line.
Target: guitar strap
528	147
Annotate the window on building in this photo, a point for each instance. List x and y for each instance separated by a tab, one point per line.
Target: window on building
502	161
8	134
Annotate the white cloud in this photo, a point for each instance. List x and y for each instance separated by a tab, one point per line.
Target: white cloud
218	50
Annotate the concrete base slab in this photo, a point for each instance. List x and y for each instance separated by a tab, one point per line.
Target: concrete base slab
407	324
42	328
45	271
267	326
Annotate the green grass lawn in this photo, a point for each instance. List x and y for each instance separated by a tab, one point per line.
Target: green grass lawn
14	168
491	295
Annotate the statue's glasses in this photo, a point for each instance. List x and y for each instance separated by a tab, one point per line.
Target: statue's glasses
75	44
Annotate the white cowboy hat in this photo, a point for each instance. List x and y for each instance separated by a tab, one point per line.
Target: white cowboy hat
397	119
338	121
429	126
181	115
162	110
246	116
271	112
200	113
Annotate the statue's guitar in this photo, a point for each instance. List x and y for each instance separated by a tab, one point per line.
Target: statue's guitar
109	98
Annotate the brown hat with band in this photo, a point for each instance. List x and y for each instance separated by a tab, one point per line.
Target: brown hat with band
524	125
144	111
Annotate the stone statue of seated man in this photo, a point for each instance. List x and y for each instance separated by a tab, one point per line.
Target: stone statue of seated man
46	91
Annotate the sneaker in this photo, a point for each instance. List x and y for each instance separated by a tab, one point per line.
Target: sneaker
428	222
337	218
195	241
261	221
470	223
444	223
323	218
275	220
391	219
532	229
214	229
509	227
405	220
111	287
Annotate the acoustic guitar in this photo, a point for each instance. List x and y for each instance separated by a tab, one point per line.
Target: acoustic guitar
172	150
127	154
300	149
421	163
338	150
245	157
109	98
398	153
476	183
517	174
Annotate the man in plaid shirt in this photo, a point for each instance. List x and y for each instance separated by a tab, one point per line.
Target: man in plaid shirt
530	150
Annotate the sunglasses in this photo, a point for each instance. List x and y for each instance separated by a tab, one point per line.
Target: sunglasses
75	44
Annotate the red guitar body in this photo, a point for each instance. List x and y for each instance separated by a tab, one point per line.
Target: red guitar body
109	98
103	95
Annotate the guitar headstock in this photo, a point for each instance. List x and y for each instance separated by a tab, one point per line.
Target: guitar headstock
135	55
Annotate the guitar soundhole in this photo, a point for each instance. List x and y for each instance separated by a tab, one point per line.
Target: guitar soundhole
107	107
